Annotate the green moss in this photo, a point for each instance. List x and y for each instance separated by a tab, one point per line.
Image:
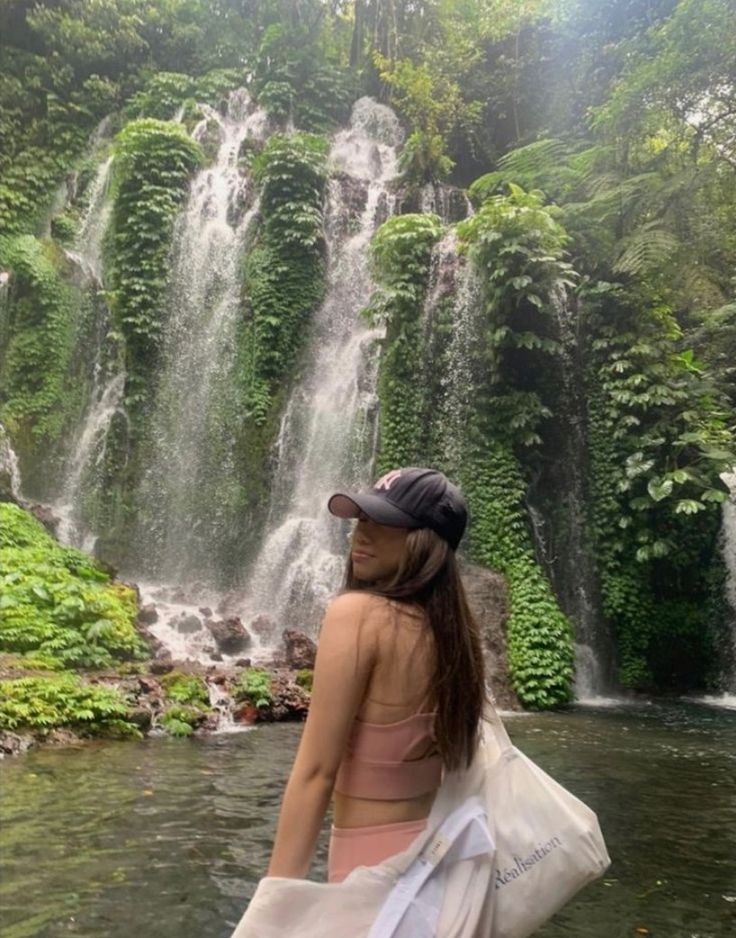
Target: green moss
57	602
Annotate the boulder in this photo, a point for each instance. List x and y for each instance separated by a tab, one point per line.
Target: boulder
205	611
242	663
488	599
300	649
46	516
263	626
162	663
187	624
230	635
148	614
13	744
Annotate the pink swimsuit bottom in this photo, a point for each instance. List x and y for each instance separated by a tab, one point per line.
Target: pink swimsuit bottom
384	761
366	846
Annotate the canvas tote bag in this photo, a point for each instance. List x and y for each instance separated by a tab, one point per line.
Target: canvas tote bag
516	846
548	843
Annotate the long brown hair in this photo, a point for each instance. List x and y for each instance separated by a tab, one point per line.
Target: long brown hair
428	576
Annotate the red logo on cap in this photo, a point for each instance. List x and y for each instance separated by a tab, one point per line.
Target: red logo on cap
385	482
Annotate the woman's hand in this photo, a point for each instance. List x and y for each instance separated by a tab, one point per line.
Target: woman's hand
346	655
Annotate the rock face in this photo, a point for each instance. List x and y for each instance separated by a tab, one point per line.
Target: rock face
300	649
230	635
488	599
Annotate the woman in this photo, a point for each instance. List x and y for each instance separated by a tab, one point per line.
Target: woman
398	687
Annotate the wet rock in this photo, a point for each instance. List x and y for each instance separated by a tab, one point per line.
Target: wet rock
149	685
289	701
488	599
148	614
205	611
142	717
216	656
46	516
230	635
14	744
187	624
162	664
300	649
155	644
245	713
263	626
243	663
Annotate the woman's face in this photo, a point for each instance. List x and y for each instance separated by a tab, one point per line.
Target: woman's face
376	549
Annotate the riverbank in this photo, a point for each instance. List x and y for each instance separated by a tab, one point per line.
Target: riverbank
159	699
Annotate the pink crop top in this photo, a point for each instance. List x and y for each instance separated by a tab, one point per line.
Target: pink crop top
380	762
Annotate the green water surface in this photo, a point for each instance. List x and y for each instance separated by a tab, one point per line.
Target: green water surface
167	838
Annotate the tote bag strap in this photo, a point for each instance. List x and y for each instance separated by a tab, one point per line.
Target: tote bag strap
463	835
494	721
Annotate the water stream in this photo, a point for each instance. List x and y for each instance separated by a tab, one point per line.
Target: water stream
327	432
190	452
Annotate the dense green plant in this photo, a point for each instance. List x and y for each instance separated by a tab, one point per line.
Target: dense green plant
295	78
185	688
58	602
304	678
517	249
254	686
284	271
659	441
64	700
400	251
153	163
182	719
539	638
36	399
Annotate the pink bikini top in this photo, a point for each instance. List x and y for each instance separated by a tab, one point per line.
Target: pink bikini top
384	762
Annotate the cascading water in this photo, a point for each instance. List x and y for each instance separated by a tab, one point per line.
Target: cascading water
327	433
728	535
454	294
573	570
106	378
9	470
190	451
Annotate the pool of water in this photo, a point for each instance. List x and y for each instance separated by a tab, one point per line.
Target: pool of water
167	838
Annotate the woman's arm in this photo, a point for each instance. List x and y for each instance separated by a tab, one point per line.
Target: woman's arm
345	658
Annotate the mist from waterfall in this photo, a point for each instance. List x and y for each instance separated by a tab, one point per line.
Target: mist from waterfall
327	434
176	534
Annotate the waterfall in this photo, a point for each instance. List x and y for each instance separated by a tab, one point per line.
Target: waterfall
327	433
728	535
9	470
572	570
87	250
190	449
87	447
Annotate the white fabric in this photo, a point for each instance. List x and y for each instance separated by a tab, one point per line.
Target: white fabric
504	848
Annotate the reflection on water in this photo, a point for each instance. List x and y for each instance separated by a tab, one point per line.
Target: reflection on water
167	838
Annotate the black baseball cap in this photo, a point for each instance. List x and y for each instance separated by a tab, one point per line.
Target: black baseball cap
412	497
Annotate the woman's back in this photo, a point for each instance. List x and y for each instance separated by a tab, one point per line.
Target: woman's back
392	768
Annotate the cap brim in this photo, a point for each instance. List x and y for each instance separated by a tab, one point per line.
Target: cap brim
377	509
